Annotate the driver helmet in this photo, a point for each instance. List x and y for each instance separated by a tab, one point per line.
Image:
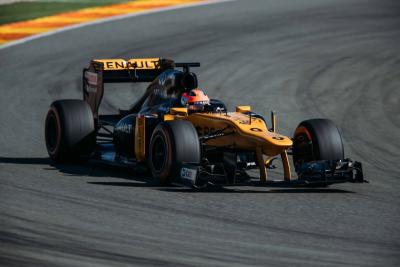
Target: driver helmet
195	99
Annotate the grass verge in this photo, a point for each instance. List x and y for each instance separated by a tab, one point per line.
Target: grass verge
20	11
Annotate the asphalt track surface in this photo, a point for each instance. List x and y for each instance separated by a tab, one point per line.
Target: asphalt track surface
305	59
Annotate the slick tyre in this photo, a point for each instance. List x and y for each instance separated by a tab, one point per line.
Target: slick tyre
317	139
70	131
172	143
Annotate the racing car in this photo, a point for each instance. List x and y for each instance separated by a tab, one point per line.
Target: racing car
181	135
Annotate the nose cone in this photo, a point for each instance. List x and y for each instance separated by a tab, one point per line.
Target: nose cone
278	140
274	144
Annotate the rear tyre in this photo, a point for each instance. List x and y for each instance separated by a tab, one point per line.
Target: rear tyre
172	143
70	131
317	139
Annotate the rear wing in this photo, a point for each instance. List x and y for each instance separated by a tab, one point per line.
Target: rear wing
132	70
102	71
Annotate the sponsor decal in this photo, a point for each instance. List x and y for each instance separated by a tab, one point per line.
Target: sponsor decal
91	78
189	174
124	127
256	129
279	138
200	103
91	89
131	64
91	82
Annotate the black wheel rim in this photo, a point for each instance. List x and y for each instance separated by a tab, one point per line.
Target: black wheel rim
302	149
159	153
52	132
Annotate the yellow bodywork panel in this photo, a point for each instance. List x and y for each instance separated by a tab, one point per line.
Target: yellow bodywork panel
169	117
246	134
140	136
179	111
242	109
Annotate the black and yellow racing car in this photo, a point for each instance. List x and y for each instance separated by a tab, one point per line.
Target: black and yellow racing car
183	136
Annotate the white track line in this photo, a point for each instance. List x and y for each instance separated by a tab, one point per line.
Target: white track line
118	17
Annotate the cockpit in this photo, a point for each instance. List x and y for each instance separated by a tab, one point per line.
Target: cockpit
166	91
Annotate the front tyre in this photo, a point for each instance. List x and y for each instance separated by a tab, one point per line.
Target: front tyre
70	131
172	143
316	139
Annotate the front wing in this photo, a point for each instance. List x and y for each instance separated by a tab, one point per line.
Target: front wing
315	173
